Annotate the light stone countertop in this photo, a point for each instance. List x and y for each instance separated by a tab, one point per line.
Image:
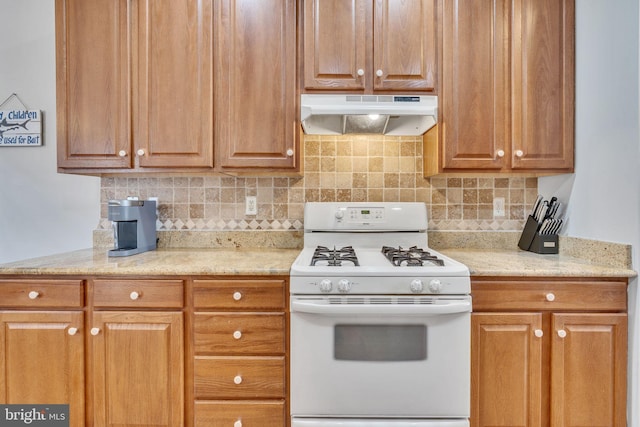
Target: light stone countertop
517	263
270	261
170	262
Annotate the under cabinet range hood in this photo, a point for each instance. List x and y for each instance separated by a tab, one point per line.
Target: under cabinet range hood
399	115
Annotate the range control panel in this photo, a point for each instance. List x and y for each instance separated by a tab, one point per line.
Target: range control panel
365	216
362	214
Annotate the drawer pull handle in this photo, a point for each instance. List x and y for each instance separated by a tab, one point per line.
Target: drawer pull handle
134	295
34	294
538	333
550	297
95	331
562	333
237	335
237	296
237	424
72	331
237	379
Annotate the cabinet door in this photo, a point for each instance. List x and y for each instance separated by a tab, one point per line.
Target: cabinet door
138	367
255	92
173	84
543	84
404	49
42	360
335	44
93	85
506	374
589	370
474	94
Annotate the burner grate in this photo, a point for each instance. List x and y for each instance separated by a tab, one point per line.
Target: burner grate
411	257
334	257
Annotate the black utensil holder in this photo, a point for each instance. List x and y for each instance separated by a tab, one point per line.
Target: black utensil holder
531	240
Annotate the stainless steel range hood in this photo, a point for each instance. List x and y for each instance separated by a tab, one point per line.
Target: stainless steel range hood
401	115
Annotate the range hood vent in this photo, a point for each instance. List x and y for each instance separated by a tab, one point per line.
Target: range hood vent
400	115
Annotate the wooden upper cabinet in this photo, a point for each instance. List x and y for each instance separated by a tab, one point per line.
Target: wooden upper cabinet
507	87
404	45
173	83
134	84
474	96
335	44
255	85
367	45
93	84
543	87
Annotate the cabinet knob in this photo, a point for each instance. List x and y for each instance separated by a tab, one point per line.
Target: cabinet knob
95	331
72	331
550	297
237	296
289	152
360	72
140	152
538	333
134	295
500	153
237	379
519	153
379	73
562	333
237	424
34	294
122	153
237	335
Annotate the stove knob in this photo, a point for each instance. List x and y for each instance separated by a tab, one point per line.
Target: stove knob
339	214
435	286
326	285
416	286
344	285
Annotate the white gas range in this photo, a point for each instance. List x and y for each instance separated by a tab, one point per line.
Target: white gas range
380	323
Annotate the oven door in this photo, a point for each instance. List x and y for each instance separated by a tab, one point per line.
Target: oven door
380	357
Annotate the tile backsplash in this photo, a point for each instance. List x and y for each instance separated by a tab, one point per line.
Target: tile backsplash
344	168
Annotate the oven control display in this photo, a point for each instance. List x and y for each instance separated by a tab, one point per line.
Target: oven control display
365	214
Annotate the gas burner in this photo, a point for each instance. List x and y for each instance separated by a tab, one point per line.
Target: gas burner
334	257
412	257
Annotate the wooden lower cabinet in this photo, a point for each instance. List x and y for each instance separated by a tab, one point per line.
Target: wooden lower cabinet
138	365
240	358
42	344
534	366
251	413
42	360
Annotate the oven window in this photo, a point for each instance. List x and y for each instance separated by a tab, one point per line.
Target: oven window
380	342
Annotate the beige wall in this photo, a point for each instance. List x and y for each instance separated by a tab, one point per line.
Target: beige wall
345	168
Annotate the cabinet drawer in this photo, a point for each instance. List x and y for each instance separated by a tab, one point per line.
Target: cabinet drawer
239	294
552	295
239	333
250	413
138	293
239	377
41	293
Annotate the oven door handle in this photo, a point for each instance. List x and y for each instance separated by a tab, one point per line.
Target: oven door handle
380	309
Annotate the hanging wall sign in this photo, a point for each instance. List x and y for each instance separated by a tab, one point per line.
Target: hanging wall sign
20	128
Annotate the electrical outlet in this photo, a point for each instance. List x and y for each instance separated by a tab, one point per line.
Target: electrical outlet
498	207
251	205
